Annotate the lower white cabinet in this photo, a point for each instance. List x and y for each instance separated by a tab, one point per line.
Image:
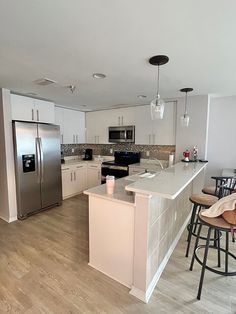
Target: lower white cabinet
93	175
78	177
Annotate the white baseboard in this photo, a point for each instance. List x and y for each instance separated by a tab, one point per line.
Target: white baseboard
146	295
123	283
11	219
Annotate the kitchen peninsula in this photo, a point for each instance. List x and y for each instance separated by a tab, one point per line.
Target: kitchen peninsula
133	232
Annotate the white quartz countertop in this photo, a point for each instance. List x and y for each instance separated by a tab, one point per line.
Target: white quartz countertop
119	195
78	160
168	183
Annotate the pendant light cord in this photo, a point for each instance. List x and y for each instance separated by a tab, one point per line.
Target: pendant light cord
158	80
185	110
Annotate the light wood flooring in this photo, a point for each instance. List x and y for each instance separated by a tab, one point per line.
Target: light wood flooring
43	269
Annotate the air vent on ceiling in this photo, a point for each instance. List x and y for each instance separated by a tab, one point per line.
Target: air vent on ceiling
44	81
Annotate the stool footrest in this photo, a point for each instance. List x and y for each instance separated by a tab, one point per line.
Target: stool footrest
210	268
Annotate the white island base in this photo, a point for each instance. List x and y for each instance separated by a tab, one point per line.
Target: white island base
132	237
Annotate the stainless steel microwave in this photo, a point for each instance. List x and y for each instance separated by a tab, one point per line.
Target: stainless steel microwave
121	134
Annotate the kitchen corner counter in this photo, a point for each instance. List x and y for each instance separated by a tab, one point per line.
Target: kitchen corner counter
119	195
168	183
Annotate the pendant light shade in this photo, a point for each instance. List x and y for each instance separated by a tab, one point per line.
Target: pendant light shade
157	105
184	119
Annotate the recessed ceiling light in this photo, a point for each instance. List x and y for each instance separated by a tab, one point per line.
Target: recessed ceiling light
99	75
142	96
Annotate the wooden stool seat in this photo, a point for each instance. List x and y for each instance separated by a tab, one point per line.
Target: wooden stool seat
216	222
211	189
203	200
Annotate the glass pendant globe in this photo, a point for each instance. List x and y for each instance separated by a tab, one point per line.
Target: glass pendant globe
184	120
157	106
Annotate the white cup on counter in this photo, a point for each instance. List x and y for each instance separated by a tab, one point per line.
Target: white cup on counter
110	184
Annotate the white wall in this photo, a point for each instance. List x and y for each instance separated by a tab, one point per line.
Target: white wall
221	135
196	132
8	206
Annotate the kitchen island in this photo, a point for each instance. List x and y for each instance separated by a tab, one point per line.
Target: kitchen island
133	232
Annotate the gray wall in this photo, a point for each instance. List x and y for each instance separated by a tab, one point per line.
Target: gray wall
221	135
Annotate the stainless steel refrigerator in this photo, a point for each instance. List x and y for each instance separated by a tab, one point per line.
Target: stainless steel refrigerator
38	166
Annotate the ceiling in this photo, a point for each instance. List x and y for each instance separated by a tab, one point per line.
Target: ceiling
69	40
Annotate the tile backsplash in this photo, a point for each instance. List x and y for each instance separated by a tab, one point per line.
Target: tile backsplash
155	151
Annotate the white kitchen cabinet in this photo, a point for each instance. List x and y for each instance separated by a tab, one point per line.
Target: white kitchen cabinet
72	125
97	127
78	177
44	110
67	183
93	175
155	132
30	109
59	120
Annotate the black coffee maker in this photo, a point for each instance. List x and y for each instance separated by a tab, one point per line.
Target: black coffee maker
88	154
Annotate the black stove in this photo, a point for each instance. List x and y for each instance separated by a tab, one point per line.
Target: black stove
120	166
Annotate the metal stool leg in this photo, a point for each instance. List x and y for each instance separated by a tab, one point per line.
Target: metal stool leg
191	228
204	264
196	221
226	251
196	245
218	245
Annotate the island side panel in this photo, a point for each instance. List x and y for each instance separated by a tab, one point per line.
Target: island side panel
164	221
111	238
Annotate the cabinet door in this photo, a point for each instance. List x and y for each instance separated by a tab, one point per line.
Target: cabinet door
164	129
67	183
143	125
93	177
97	127
80	127
80	182
44	111
127	116
22	108
70	126
59	120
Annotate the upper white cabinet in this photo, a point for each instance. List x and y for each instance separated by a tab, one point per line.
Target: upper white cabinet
30	109
155	132
98	122
72	125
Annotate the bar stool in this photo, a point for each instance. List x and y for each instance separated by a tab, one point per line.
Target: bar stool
219	225
199	201
219	187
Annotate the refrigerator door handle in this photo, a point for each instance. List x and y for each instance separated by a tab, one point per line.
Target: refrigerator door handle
38	156
41	158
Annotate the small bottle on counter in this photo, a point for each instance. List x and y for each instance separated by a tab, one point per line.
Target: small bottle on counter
195	153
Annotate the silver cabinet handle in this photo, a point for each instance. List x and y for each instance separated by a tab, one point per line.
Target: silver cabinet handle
37	115
73	138
118	120
74	175
62	139
95	139
149	138
63	169
77	138
122	120
32	111
98	174
98	139
71	176
93	166
79	166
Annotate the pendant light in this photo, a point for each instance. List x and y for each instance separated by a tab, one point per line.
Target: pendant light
157	105
185	117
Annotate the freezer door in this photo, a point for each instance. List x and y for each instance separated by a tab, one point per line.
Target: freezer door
27	168
50	156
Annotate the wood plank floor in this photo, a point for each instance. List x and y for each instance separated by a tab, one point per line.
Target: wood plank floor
43	269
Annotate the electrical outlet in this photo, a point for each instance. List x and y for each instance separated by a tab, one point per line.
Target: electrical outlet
147	153
72	150
111	150
175	216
